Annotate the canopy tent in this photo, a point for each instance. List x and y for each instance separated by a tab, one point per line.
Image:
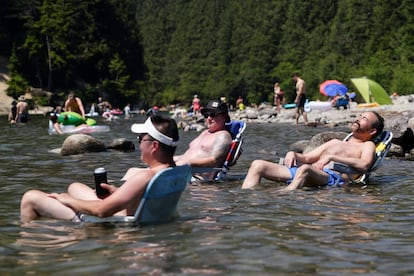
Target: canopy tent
371	91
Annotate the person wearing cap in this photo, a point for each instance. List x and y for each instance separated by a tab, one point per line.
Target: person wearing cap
157	137
74	104
210	148
22	111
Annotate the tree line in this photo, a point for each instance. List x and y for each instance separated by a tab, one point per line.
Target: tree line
158	52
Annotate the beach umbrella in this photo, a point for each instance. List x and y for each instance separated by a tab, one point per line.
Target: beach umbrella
371	91
331	88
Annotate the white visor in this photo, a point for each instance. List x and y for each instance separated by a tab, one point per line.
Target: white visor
149	128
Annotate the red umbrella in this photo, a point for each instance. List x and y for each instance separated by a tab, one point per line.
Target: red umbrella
331	88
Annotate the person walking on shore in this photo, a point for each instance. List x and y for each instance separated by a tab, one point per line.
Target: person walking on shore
300	98
278	97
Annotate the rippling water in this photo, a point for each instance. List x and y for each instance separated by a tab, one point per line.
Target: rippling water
223	230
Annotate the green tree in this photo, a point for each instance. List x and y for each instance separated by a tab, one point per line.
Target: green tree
17	83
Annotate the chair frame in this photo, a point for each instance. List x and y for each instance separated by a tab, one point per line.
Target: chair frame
236	129
383	144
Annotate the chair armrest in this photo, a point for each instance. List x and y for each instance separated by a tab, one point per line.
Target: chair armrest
119	219
342	168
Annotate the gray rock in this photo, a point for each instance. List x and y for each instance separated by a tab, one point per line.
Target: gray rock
81	143
252	113
299	146
323	137
268	111
121	144
396	150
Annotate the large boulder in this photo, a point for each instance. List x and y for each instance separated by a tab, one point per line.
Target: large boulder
81	143
299	146
323	137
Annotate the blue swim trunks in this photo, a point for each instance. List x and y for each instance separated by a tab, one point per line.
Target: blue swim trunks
335	179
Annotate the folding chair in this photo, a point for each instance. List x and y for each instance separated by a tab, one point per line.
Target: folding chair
160	200
383	144
236	129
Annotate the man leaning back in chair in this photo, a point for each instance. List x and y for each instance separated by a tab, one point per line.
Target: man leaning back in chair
210	148
310	169
157	138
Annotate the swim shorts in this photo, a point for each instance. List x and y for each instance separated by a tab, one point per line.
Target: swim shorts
335	179
301	101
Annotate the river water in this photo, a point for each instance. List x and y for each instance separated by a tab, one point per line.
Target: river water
223	230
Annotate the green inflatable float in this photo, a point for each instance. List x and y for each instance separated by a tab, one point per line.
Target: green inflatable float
73	118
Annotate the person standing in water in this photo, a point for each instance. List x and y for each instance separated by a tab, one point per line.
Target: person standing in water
74	104
22	111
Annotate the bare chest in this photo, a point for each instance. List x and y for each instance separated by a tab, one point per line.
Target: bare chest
345	149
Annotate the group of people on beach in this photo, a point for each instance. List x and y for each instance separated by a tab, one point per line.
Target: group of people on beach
158	138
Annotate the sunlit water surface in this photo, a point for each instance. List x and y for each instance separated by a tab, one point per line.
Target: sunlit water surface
223	230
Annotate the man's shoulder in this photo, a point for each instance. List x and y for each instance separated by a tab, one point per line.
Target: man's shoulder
222	133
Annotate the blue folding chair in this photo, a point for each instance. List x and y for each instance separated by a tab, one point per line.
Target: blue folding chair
160	200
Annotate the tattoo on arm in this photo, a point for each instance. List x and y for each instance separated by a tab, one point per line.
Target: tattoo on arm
221	146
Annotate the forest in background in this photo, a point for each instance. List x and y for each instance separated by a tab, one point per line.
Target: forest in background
159	52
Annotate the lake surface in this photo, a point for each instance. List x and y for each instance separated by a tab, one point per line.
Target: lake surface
223	230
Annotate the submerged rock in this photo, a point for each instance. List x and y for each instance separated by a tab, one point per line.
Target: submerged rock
121	144
81	143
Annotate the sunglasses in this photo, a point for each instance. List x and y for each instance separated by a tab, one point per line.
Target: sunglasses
211	114
141	139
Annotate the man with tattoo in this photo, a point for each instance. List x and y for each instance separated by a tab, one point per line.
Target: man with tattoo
210	148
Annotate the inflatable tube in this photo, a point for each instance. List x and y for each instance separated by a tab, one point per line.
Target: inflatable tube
73	118
367	105
90	122
288	106
71	129
117	112
318	105
70	118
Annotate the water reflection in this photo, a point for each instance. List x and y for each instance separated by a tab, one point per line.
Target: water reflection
222	229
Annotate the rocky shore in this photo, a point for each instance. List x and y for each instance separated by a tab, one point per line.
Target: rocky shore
399	118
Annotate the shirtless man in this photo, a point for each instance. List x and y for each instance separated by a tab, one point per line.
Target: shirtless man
310	169
74	104
22	111
300	98
209	149
158	138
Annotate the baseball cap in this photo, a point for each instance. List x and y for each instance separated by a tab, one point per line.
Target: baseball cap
217	107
